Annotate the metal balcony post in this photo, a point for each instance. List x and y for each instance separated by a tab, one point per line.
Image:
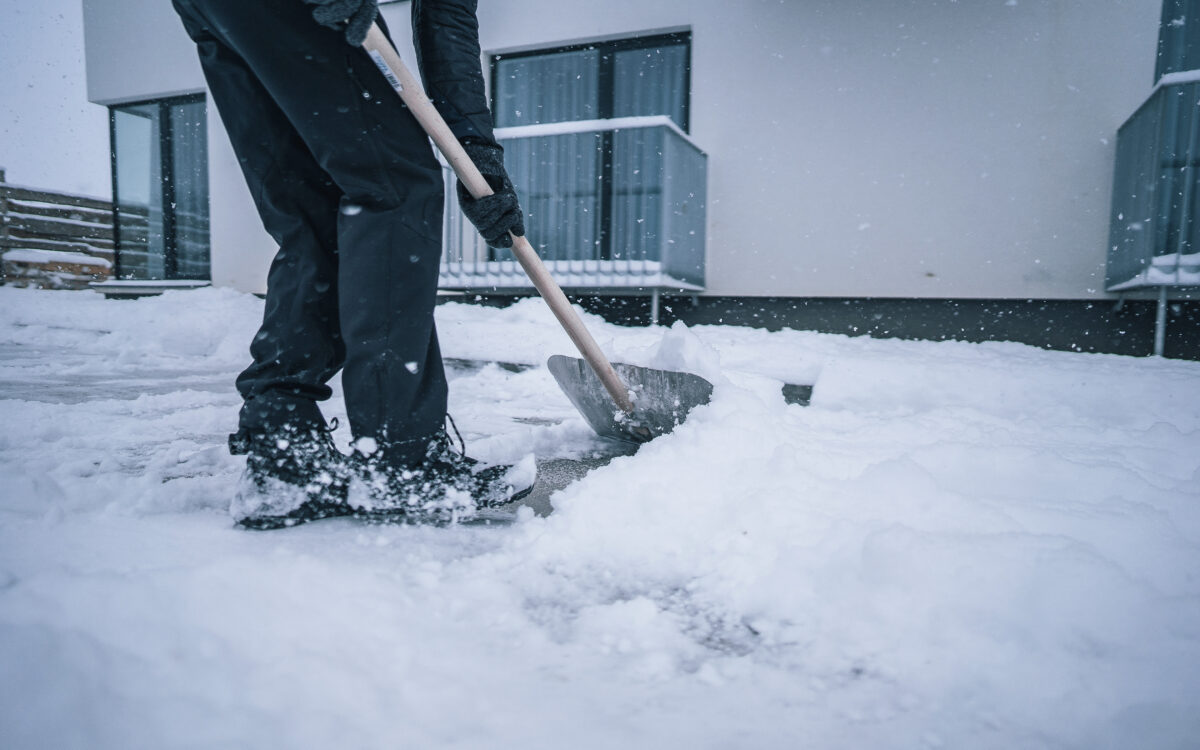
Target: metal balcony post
1160	322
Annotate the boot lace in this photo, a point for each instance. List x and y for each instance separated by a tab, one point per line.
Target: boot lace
462	444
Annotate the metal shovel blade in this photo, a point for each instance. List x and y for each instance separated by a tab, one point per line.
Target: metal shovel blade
661	398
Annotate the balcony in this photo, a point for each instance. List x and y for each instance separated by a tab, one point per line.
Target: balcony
611	206
1154	225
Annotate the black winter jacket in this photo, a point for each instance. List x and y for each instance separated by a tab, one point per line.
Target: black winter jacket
446	36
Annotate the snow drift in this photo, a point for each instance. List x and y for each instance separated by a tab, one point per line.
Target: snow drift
955	545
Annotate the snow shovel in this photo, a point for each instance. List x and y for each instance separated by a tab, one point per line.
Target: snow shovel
654	401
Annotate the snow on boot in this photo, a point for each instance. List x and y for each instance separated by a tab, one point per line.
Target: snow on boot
293	475
445	486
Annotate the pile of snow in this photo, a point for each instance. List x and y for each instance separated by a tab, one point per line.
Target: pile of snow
955	545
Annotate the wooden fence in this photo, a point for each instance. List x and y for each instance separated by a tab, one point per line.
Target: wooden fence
54	240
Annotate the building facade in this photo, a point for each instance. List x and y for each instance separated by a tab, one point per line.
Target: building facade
785	151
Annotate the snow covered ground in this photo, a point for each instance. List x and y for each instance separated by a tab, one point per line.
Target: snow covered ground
955	545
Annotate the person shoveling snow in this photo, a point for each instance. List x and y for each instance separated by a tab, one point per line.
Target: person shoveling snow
348	186
340	194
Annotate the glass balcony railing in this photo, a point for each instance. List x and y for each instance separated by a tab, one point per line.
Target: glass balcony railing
610	206
1153	239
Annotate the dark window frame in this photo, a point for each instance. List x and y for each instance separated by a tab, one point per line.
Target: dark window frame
605	75
167	155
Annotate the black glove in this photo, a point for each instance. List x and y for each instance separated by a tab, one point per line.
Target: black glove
500	213
353	16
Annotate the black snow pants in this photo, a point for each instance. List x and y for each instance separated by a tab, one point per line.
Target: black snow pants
347	184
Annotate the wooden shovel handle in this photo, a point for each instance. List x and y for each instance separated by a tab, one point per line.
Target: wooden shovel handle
409	88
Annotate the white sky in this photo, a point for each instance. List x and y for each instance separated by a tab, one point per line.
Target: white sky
51	136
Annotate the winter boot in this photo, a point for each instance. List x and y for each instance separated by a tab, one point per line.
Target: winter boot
445	485
293	475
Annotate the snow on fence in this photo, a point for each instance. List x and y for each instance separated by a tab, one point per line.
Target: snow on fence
54	240
1176	269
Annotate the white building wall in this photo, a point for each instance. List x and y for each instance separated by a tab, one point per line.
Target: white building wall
894	148
137	49
857	148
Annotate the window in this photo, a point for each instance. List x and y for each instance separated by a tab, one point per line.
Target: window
1177	197
641	76
160	189
624	78
598	194
1178	38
